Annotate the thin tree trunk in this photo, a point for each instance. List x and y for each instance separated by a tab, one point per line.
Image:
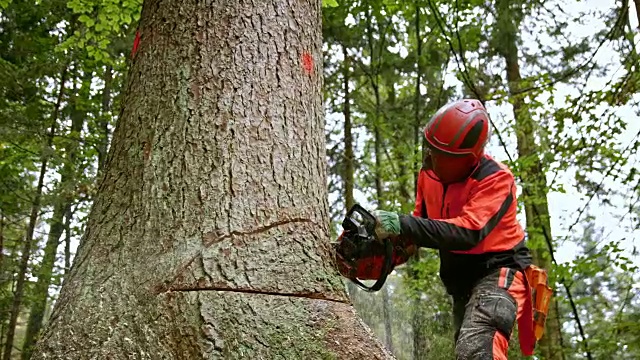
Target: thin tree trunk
386	306
637	3
378	174
1	245
377	137
208	237
420	343
380	200
537	221
419	340
349	157
103	123
62	205
418	121
33	217
2	274
349	168
67	241
402	162
533	174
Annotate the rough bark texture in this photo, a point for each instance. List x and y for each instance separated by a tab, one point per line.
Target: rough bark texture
348	177
103	122
349	158
538	221
386	306
419	122
1	244
67	241
418	321
209	234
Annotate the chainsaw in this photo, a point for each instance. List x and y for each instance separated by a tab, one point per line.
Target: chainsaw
358	240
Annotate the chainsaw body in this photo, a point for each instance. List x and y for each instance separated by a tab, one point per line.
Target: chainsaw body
358	241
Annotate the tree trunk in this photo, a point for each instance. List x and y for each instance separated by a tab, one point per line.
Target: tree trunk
62	206
349	157
386	306
377	138
420	343
33	218
1	245
379	180
208	237
401	160
537	223
373	75
637	3
418	321
532	172
67	241
103	123
418	121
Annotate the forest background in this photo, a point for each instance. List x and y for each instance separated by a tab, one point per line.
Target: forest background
560	79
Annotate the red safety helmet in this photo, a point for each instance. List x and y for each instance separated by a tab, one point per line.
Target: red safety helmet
456	136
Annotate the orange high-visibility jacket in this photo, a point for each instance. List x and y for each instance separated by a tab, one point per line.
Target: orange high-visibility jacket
472	223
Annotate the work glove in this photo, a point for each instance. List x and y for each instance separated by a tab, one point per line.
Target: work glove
387	224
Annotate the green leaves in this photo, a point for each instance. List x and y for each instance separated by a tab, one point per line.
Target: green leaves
329	3
101	22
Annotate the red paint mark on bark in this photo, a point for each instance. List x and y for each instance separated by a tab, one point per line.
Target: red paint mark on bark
136	43
307	62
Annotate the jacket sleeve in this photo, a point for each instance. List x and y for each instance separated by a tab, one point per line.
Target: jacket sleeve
487	204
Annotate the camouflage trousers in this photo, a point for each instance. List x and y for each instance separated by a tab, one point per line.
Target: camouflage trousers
484	319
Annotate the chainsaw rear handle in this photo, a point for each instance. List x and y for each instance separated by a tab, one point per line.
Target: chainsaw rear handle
359	220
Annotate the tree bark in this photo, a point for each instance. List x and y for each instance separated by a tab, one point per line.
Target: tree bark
61	207
1	244
67	241
418	319
373	75
208	237
418	121
103	123
386	306
349	157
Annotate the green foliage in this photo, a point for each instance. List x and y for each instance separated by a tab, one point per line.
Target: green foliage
329	3
38	49
575	140
100	23
401	59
